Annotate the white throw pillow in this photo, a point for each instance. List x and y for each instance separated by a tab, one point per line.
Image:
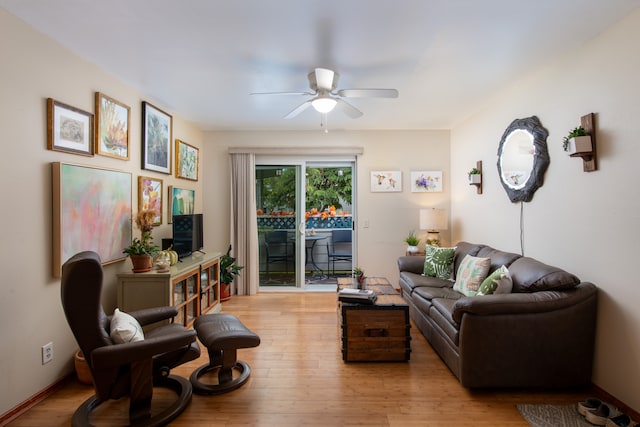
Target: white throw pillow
125	328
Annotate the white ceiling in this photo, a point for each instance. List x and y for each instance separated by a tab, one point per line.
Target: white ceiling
201	59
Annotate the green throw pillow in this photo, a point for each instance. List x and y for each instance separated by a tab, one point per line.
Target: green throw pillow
472	271
498	282
438	262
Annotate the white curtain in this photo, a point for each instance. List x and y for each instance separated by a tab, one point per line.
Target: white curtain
244	227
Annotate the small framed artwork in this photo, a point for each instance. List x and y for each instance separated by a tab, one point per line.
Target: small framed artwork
426	181
150	196
386	181
181	201
157	128
91	211
69	129
186	161
112	127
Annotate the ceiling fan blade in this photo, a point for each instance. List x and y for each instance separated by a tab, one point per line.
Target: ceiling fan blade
325	79
299	109
283	93
348	109
368	93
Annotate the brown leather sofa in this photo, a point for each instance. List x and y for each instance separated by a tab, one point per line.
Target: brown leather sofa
540	335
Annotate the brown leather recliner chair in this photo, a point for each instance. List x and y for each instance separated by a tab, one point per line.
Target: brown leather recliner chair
130	369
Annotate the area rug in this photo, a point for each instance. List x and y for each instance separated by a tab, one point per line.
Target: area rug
553	416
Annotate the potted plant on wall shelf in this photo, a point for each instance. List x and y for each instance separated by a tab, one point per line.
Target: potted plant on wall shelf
475	177
142	250
577	141
412	242
228	272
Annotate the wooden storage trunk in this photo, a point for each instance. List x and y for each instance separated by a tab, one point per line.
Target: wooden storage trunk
375	333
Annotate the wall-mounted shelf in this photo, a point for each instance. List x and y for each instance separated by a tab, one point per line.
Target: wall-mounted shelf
588	158
478	184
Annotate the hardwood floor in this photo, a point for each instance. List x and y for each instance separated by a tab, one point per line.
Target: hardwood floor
298	378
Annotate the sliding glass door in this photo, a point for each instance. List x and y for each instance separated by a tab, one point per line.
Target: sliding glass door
305	221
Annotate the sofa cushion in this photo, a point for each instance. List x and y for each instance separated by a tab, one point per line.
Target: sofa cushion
498	282
441	314
410	281
498	258
438	262
472	271
530	275
429	293
463	249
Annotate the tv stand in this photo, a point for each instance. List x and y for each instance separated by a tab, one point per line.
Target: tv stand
192	286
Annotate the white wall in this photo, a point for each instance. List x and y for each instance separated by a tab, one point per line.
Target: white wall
33	69
586	223
391	215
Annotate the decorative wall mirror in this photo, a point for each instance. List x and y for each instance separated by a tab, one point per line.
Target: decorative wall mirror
523	158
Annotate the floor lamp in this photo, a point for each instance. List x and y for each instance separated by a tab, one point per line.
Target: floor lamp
433	220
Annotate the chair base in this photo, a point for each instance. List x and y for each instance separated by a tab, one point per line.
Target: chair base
180	385
223	386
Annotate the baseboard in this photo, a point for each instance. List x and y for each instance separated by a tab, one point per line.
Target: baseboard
23	407
603	395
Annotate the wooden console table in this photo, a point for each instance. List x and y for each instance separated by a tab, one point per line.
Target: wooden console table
192	286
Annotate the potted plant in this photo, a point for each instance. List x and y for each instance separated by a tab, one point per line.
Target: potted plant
142	250
228	272
358	273
475	177
412	241
577	141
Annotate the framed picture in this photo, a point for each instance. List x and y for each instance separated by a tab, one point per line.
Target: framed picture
69	129
112	127
426	181
157	128
91	211
181	202
186	161
150	196
386	181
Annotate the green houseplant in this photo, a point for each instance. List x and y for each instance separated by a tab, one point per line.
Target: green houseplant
577	141
358	273
474	176
412	242
228	272
142	250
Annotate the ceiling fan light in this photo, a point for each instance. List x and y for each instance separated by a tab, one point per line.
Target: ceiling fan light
323	105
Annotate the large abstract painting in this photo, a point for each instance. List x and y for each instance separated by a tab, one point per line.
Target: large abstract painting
91	211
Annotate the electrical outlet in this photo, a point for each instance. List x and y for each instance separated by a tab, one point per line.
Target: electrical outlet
47	353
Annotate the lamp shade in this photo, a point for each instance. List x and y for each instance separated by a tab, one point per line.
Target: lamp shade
433	219
323	104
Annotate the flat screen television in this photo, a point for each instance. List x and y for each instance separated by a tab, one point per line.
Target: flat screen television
187	234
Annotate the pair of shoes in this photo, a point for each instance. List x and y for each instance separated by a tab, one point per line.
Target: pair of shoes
601	414
622	420
588	404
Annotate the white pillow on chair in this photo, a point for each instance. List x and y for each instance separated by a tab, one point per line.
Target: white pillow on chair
125	328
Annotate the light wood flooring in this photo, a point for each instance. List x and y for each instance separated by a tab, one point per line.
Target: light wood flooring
299	379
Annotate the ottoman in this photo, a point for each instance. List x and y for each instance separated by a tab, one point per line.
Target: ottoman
223	335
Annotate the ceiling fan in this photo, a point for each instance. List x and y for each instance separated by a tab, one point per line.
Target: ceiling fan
323	83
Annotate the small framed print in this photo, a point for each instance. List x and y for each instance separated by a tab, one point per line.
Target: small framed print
112	127
386	181
69	129
150	196
186	161
426	181
181	202
157	128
